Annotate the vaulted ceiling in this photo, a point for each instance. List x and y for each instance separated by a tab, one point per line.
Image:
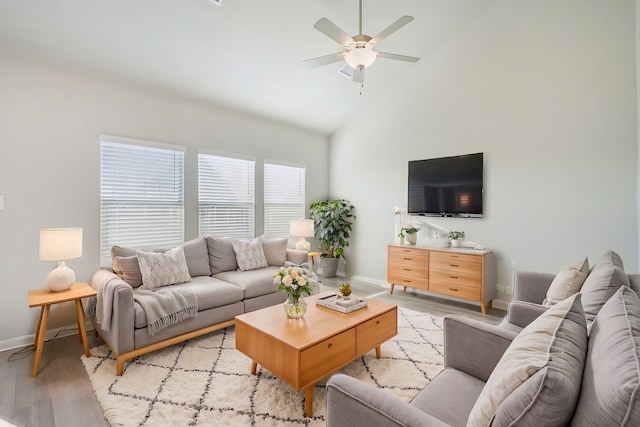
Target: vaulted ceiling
245	54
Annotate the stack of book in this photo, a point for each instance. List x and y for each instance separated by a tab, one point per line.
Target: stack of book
342	305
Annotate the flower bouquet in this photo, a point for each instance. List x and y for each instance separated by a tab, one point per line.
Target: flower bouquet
295	281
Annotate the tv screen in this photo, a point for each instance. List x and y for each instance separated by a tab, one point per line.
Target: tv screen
446	186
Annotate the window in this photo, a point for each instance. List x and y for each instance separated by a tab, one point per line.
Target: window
141	195
226	196
284	197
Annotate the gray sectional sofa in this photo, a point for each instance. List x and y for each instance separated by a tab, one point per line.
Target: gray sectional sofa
575	362
222	288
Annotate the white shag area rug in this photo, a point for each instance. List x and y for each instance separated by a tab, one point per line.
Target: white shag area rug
207	382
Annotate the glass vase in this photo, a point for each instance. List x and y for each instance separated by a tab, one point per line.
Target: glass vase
295	306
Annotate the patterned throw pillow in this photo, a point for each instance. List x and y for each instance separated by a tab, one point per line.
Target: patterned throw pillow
249	255
163	269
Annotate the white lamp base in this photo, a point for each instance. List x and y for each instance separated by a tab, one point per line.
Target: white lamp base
303	245
60	278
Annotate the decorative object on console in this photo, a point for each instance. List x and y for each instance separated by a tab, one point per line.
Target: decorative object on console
412	234
60	245
456	237
302	228
398	227
295	281
333	224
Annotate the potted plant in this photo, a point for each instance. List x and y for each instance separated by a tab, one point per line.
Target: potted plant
345	290
412	234
455	237
401	236
332	225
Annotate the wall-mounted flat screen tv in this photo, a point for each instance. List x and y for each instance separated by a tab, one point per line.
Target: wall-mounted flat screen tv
447	186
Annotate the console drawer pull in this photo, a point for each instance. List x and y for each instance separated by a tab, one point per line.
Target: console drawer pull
407	281
406	269
454	265
330	345
453	289
454	277
377	322
406	259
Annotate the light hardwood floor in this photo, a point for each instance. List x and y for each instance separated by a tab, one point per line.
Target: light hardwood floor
61	394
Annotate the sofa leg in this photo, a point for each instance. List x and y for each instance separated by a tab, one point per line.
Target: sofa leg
120	365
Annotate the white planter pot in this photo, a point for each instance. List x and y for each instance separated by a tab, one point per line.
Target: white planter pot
456	243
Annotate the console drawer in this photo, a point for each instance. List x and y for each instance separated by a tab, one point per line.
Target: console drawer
454	256
456	290
409	256
408	281
327	355
457	269
376	331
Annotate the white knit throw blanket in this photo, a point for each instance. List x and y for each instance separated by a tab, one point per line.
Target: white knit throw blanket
166	306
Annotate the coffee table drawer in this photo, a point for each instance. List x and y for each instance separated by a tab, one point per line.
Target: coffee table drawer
322	358
376	331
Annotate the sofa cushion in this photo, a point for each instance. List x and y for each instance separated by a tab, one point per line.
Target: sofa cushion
210	293
275	250
556	342
608	259
254	283
221	255
197	255
567	282
163	269
449	396
249	255
611	383
600	285
129	269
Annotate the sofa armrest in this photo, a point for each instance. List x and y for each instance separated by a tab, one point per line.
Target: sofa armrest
297	257
531	286
474	347
351	402
521	313
114	313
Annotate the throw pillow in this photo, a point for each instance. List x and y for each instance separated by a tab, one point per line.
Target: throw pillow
275	250
599	286
221	255
555	344
609	259
611	383
197	255
120	251
129	269
163	269
249	255
567	282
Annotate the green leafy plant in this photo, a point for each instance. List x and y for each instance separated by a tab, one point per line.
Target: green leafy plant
345	289
411	230
332	224
456	235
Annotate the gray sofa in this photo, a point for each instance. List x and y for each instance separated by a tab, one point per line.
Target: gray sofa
503	376
221	288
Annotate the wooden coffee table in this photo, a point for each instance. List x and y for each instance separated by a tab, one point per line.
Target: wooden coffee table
301	352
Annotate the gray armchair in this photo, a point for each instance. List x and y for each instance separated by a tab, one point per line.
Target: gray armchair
471	351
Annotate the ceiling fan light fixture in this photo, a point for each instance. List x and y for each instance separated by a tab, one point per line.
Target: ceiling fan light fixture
360	56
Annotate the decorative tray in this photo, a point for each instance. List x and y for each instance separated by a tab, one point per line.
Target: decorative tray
343	306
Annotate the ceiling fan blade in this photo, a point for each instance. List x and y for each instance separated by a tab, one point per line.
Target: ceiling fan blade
401	22
358	75
324	60
332	31
398	57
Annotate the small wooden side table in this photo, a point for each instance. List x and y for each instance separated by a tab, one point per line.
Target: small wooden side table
44	298
313	256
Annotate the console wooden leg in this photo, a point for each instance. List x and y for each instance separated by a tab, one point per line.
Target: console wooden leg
483	308
254	367
308	401
378	352
490	304
391	289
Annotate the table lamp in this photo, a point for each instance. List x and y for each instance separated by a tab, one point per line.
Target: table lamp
60	244
302	228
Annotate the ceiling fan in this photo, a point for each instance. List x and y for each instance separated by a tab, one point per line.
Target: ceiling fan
359	51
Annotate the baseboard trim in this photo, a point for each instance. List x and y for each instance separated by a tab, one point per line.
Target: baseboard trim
28	340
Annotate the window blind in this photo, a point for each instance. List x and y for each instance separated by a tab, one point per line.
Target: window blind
226	196
284	197
141	195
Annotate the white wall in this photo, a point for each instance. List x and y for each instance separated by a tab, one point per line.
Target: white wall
547	90
50	120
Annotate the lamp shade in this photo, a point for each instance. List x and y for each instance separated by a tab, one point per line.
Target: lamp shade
301	228
360	57
60	244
